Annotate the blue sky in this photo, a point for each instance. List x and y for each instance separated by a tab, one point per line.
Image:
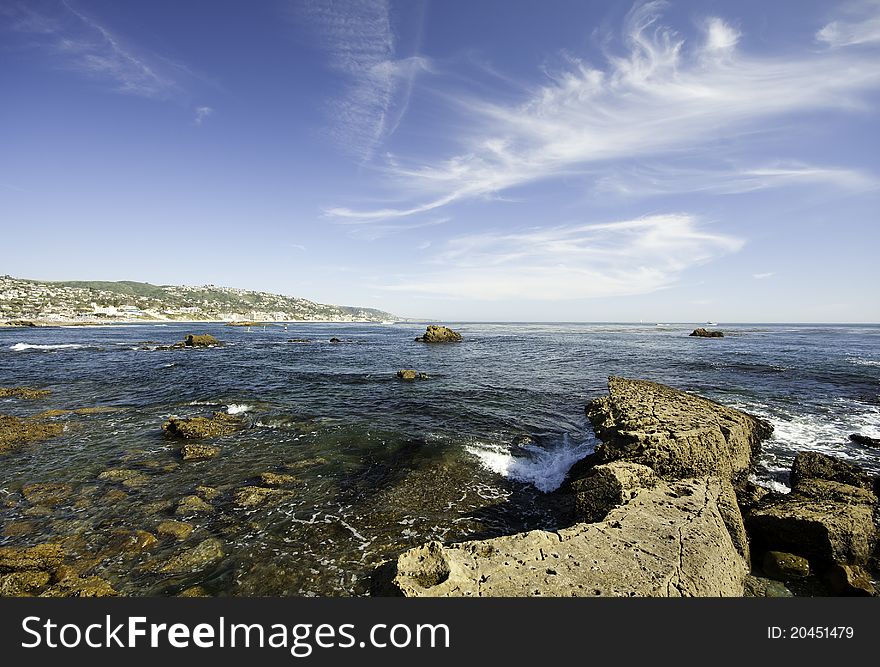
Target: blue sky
458	160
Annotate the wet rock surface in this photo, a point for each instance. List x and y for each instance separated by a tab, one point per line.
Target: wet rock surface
410	374
706	333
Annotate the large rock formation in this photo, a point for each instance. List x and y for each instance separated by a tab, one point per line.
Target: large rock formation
675	433
661	487
438	334
669	541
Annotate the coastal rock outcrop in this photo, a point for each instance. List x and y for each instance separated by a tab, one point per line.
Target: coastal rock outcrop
657	509
706	333
669	541
439	334
215	426
200	340
675	433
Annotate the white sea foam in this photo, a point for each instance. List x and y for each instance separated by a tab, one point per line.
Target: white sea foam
544	468
238	408
21	347
859	361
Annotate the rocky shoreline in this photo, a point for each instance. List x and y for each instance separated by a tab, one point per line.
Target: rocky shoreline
665	508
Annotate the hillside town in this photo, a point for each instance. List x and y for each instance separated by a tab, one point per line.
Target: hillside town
24	301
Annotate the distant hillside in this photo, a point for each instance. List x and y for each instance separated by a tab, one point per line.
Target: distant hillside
85	300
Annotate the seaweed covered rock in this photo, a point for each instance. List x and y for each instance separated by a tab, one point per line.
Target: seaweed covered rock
197	558
28	393
706	333
677	434
215	426
15	432
196	451
200	340
439	334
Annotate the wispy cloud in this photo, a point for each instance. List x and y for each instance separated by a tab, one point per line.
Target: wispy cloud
569	262
763	276
862	28
655	179
359	38
662	96
201	113
78	42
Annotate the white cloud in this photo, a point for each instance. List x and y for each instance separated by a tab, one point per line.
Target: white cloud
359	38
763	276
720	37
79	43
569	262
661	97
201	114
656	179
863	29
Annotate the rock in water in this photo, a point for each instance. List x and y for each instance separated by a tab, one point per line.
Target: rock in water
865	440
219	424
813	465
706	333
200	340
409	374
675	433
438	334
196	452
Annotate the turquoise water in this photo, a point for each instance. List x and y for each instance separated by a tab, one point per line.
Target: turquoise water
380	465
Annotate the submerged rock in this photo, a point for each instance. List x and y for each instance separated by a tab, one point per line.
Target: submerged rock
76	411
46	494
668	541
409	374
675	433
198	558
706	333
179	530
192	505
131	541
128	478
253	496
276	479
195	451
215	426
439	334
29	393
15	432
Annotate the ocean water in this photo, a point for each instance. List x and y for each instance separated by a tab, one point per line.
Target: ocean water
381	465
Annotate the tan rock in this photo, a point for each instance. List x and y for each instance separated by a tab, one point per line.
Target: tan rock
198	452
46	494
668	541
192	505
23	584
45	556
192	560
253	496
276	479
179	530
